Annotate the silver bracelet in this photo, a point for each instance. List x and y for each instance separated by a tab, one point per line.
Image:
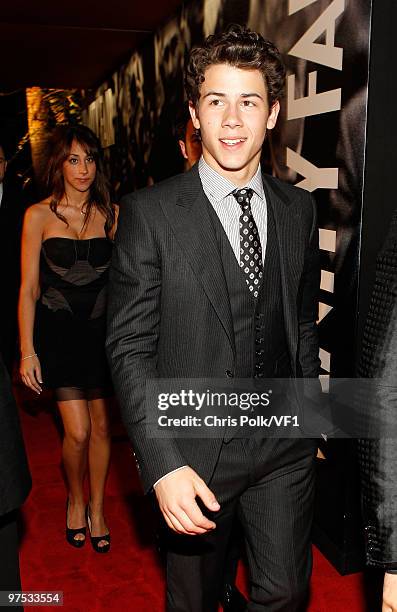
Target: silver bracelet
29	356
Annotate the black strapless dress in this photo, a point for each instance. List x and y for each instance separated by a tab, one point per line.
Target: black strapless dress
70	323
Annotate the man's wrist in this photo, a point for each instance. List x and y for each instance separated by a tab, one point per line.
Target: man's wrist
169	474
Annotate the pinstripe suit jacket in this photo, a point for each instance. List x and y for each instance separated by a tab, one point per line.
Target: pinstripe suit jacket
169	313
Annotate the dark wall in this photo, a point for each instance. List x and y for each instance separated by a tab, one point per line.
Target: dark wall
13	127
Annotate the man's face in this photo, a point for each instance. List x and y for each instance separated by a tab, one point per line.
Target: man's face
233	115
191	147
3	165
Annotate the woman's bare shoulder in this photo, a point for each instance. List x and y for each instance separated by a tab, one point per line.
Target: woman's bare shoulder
39	208
38	213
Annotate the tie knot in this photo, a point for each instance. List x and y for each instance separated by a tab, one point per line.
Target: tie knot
243	196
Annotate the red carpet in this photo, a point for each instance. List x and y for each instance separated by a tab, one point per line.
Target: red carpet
130	577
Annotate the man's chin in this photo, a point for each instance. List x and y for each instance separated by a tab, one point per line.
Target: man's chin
234	165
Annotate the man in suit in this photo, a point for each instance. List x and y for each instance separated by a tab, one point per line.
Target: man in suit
12	208
184	303
15	483
377	456
232	600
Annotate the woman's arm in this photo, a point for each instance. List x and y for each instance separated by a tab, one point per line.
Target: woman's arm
116	218
29	294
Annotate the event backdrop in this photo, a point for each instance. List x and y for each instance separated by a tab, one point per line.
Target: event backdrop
318	144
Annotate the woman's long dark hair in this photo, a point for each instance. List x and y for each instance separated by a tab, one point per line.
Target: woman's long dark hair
99	193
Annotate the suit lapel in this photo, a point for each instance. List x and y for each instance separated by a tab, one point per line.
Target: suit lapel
188	216
289	241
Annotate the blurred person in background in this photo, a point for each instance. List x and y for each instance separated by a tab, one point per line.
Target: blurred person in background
378	456
12	208
15	483
189	140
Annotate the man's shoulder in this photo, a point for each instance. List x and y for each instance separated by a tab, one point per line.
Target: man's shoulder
151	196
289	191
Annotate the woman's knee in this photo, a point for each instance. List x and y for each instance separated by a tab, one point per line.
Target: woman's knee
78	437
100	429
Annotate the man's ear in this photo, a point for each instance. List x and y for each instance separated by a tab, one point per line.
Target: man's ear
182	147
272	118
194	115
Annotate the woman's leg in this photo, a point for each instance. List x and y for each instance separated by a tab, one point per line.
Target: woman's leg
77	427
98	457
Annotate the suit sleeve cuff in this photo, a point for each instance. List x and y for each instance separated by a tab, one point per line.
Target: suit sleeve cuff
172	472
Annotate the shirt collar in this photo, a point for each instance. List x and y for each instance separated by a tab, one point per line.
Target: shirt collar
219	187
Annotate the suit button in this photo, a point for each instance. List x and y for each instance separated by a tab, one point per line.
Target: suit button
229	374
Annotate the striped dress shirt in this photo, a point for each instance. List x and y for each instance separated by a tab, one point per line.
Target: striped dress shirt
219	192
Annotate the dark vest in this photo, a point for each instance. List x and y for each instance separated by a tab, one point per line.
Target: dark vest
259	330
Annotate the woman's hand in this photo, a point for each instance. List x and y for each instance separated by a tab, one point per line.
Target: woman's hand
30	372
390	593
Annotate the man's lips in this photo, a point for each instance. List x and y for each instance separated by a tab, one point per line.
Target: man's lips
232	142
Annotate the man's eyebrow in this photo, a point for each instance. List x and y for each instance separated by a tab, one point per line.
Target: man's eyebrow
220	94
252	94
214	93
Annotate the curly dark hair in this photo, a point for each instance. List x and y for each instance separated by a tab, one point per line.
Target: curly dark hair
240	47
99	193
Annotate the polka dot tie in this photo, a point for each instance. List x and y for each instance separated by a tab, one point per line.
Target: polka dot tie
250	245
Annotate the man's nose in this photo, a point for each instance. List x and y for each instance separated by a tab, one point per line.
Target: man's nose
232	116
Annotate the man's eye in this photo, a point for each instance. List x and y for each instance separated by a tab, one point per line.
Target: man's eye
216	102
248	103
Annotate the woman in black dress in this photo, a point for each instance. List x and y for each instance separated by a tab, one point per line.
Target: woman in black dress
66	251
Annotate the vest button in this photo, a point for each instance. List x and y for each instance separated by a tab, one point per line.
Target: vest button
229	374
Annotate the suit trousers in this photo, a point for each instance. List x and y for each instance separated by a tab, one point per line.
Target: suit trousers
269	485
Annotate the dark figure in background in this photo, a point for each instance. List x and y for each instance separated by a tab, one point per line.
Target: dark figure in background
189	140
15	483
66	252
378	457
232	600
181	305
12	208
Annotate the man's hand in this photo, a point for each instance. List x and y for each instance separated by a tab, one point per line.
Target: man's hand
176	495
390	593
